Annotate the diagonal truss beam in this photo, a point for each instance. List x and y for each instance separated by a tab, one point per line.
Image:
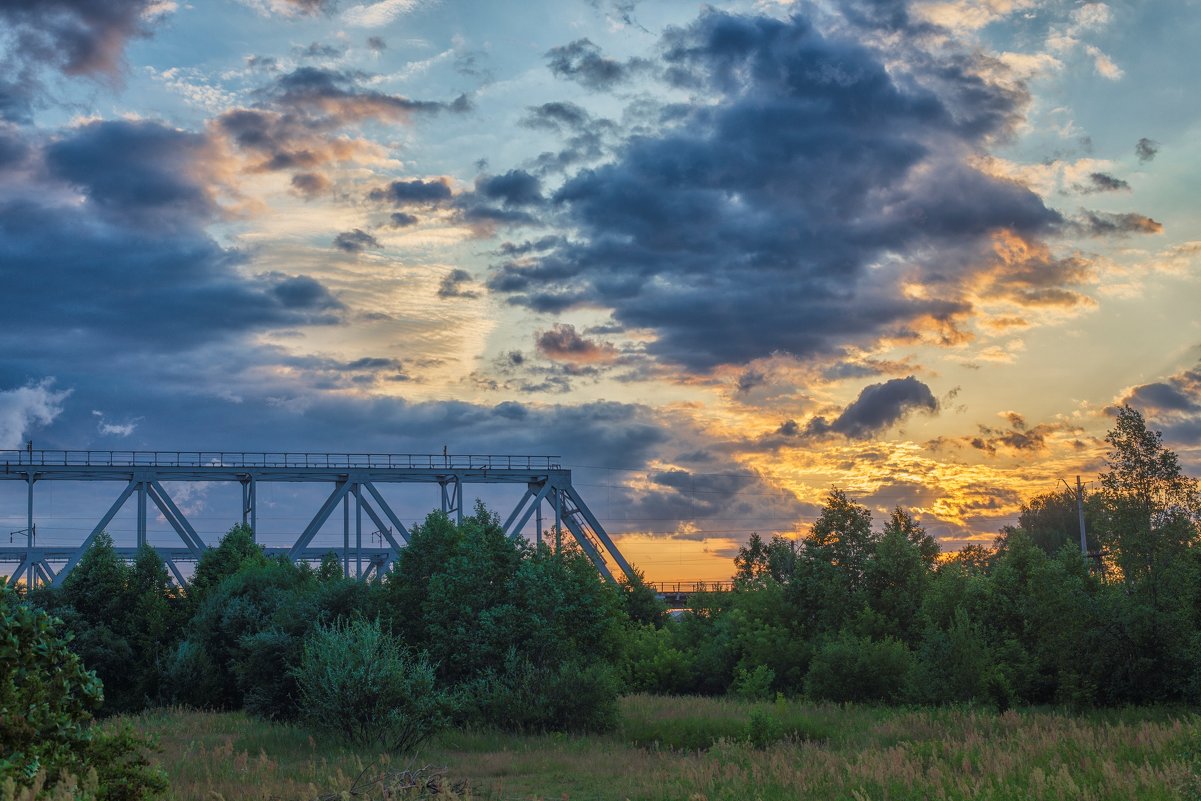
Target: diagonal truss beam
529	493
585	542
529	510
175	517
103	524
387	510
599	531
318	521
170	563
375	518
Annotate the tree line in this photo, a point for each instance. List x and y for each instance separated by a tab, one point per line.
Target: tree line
850	613
471	627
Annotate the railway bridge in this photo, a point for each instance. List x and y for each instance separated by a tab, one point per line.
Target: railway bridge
353	479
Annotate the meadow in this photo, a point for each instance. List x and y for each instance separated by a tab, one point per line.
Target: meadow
704	749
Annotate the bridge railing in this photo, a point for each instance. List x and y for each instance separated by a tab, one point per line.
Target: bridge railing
689	587
421	461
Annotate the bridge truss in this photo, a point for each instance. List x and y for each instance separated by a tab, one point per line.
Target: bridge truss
549	498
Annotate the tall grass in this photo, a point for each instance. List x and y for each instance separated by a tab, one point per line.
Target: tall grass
699	749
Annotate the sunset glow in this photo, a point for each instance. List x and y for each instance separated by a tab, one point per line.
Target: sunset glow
720	258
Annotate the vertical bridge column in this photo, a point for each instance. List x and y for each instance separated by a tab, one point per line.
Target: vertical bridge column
452	496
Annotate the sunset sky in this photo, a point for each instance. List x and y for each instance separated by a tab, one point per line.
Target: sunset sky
718	257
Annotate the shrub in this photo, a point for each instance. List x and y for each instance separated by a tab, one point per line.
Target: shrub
361	683
523	696
764	728
754	684
851	668
653	663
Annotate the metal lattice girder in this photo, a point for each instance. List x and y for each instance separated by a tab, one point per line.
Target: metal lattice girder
538	498
387	510
176	518
318	521
147	474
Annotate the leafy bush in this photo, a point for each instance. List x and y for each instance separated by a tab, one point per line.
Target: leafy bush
764	728
851	668
754	684
47	699
653	663
572	696
360	682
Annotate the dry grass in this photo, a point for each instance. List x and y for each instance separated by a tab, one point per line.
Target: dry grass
829	752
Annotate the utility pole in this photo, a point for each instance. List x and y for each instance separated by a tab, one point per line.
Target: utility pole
1080	514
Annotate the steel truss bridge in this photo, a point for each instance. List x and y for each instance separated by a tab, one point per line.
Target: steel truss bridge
144	476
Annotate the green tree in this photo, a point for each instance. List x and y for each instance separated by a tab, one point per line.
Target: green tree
1150	507
47	700
1150	511
640	601
903	523
1052	520
236	548
758	560
501	619
842	534
896	577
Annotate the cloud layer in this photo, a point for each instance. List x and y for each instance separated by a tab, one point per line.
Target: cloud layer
789	211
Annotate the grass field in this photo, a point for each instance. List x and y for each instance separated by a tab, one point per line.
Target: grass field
710	749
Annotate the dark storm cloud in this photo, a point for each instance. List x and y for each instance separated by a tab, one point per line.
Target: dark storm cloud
1176	395
749	379
16	97
514	188
78	37
1146	149
1172	405
356	241
724	502
310	184
457	284
77	283
297	120
581	61
991	439
138	172
319	50
1019	437
748	224
13	149
262	62
302	292
878	407
562	342
400	219
587	138
312	6
1103	182
1104	223
415	192
314	89
556	116
515	249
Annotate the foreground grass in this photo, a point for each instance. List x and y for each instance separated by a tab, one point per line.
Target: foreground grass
697	749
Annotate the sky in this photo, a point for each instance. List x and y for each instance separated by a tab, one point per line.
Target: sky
718	258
